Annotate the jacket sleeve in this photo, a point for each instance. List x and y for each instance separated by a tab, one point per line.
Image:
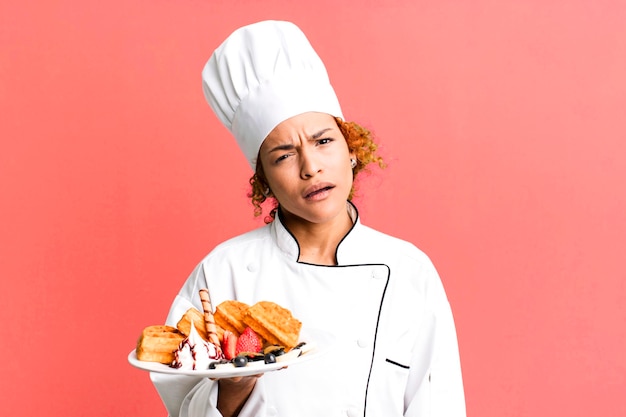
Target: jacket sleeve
185	396
201	401
439	391
174	388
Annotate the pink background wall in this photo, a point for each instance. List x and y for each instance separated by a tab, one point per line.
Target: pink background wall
503	123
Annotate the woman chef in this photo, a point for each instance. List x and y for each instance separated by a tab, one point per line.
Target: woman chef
394	348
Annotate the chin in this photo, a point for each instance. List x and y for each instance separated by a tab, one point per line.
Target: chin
317	213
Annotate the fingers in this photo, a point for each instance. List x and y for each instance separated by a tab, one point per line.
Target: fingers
237	379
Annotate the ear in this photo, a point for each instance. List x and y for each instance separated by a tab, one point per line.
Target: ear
353	159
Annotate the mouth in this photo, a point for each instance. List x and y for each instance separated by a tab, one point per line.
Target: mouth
317	191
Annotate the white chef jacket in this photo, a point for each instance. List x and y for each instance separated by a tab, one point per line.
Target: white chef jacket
393	342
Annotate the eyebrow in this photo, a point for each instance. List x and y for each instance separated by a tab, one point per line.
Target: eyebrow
288	146
320	133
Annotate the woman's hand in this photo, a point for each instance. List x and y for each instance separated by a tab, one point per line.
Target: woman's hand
233	394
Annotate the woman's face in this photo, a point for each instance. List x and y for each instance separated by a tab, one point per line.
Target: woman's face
306	162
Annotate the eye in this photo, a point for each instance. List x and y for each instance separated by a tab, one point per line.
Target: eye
324	141
281	158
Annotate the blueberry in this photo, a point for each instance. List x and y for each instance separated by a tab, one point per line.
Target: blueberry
213	364
240	361
270	358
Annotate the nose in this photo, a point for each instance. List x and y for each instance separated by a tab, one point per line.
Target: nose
309	167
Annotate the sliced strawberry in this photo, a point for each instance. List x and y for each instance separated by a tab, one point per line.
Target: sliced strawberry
249	341
229	345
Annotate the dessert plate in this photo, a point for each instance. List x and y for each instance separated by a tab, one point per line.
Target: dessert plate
321	342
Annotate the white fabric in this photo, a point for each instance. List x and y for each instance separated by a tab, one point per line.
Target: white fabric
395	351
261	75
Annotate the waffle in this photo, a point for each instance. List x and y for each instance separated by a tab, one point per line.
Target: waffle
184	324
273	323
158	344
229	316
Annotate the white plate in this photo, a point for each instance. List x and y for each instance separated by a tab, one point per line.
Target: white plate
321	343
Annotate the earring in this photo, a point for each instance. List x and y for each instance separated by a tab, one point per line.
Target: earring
266	192
352	162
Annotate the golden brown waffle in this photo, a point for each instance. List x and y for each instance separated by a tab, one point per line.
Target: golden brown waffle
229	316
184	324
158	344
273	323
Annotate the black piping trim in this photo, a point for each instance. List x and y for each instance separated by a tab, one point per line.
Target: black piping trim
397	364
380	308
349	231
280	216
282	220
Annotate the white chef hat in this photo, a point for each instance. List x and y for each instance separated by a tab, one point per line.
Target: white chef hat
261	75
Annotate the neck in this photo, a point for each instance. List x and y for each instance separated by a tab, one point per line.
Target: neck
318	241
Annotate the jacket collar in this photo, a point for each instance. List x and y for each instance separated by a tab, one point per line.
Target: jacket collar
288	244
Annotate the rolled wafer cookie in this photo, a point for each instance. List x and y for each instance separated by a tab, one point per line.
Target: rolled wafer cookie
209	320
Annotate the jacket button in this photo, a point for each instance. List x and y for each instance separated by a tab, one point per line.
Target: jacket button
353	412
362	343
376	275
272	411
251	267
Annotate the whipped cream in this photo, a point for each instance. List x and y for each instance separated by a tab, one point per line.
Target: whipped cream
194	352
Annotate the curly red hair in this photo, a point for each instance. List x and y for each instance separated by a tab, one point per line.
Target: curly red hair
360	141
